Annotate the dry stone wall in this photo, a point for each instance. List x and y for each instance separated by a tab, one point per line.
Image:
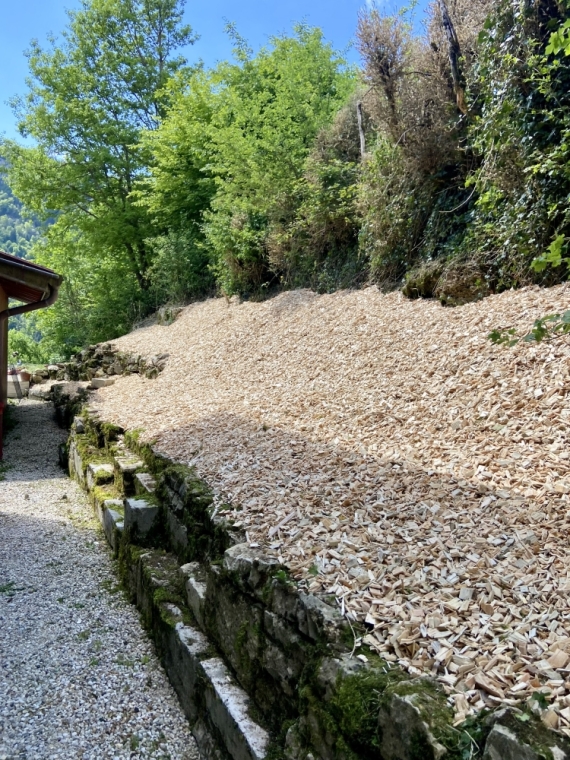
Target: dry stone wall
101	362
262	668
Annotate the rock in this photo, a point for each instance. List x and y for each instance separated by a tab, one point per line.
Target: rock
101	382
228	708
140	517
251	567
502	744
100	373
318	620
144	483
79	425
511	738
196	584
113	522
334	668
99	474
40	392
405	734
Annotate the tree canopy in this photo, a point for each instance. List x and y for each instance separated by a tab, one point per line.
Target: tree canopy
439	166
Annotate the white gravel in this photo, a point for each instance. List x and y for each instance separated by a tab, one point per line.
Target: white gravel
78	674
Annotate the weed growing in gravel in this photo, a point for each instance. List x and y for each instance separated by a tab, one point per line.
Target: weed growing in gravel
84	635
111	586
121	660
8	588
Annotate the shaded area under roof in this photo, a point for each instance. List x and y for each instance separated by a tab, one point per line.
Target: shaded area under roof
26	281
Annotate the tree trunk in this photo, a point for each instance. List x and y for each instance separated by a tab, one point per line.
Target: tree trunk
454	53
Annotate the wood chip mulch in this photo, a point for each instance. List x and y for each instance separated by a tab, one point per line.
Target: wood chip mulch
389	455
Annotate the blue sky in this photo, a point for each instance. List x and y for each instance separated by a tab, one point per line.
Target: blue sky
256	20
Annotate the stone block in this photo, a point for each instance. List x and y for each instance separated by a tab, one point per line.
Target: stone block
183	648
99	474
513	739
113	523
76	463
195	584
102	382
251	568
126	467
228	709
140	517
177	533
144	483
235	622
319	620
405	732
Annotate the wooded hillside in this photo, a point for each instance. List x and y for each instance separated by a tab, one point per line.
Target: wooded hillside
439	166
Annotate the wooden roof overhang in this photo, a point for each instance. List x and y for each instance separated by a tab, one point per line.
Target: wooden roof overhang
26	281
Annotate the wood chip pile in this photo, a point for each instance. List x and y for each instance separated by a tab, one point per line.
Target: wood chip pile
390	455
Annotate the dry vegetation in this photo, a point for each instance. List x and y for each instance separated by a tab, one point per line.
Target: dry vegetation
390	455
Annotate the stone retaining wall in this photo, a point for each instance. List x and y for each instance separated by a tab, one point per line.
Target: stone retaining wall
102	361
263	669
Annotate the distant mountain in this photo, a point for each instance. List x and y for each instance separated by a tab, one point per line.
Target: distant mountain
18	231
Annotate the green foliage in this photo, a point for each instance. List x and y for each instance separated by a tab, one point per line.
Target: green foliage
546	328
89	99
99	299
521	135
180	267
28	350
268	112
18	230
443	168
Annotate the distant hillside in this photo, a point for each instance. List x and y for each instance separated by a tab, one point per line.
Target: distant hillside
17	231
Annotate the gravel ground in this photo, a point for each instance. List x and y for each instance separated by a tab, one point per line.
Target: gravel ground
78	675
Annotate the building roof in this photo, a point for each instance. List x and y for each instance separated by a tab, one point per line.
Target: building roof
26	281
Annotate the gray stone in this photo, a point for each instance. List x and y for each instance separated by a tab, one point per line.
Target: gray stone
228	709
128	464
251	567
404	731
196	585
79	425
236	623
42	392
76	463
99	474
209	750
280	631
140	516
102	382
333	668
113	524
144	483
177	533
184	649
116	504
318	620
508	737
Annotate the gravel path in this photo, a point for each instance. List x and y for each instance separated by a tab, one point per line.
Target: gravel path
78	675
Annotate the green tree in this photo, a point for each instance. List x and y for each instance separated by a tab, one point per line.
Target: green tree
18	230
89	99
231	152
